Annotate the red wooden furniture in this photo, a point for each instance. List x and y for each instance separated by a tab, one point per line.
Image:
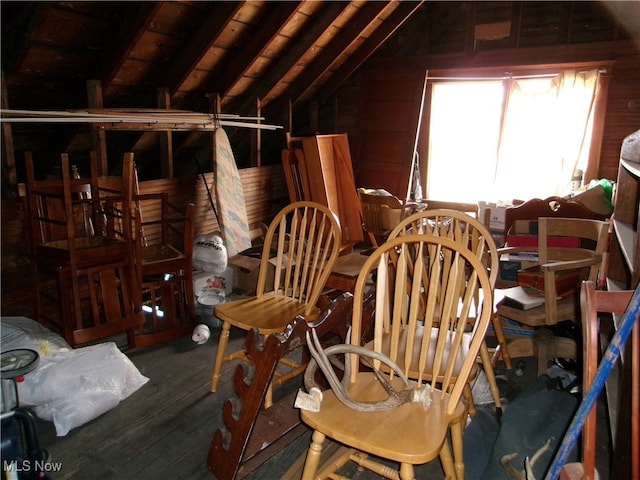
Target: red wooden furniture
86	275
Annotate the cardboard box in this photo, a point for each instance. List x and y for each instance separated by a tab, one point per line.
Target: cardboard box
245	273
496	213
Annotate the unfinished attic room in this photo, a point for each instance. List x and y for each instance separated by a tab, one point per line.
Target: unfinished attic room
320	240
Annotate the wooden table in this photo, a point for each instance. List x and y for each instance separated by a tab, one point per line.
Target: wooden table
346	270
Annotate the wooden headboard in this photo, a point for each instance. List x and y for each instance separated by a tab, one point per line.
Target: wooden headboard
549	207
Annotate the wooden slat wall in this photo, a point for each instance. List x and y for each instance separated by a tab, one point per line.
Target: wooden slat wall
265	192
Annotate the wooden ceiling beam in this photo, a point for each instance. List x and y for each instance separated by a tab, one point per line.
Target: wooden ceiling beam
203	39
395	20
275	73
16	42
309	79
137	18
272	25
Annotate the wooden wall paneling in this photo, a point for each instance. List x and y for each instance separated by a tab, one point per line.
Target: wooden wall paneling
623	109
388	117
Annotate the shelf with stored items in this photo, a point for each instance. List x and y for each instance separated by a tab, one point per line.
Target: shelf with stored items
623	273
624	266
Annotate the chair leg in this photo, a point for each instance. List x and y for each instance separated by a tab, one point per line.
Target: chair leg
447	461
268	397
502	348
313	456
491	377
406	471
469	405
191	304
456	441
222	347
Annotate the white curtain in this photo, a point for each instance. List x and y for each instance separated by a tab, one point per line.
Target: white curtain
545	133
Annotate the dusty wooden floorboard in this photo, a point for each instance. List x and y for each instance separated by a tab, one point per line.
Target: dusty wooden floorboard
163	430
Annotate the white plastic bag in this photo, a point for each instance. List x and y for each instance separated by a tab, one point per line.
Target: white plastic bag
23	332
209	253
73	387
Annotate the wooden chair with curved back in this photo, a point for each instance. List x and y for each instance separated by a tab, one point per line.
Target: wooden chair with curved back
381	211
473	210
472	233
433	338
301	245
585	259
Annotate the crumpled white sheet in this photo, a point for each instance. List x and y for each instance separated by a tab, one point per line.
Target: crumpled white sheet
70	386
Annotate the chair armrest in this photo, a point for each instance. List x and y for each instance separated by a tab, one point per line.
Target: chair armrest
571	264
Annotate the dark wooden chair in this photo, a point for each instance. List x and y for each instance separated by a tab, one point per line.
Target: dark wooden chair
164	266
593	302
87	276
162	242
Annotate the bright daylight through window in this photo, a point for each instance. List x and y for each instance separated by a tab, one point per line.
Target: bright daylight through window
496	140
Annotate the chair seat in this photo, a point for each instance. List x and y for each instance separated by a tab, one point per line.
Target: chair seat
568	309
418	441
89	251
160	253
160	259
269	313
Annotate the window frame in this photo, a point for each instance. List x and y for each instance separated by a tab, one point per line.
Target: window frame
462	74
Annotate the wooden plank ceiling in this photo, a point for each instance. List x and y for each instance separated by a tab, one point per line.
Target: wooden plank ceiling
199	56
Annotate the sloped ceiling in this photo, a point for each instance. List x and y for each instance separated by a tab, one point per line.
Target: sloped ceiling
197	56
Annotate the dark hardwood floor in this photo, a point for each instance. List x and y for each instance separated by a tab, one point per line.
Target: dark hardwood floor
165	428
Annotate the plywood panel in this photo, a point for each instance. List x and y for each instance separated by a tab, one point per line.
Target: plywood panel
330	171
389	114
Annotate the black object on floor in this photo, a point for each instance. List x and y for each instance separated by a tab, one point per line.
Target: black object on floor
540	413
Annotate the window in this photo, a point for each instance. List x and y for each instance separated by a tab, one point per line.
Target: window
505	138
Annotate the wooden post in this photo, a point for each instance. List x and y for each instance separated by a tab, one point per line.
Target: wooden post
214	108
165	138
9	175
98	134
313	115
256	139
